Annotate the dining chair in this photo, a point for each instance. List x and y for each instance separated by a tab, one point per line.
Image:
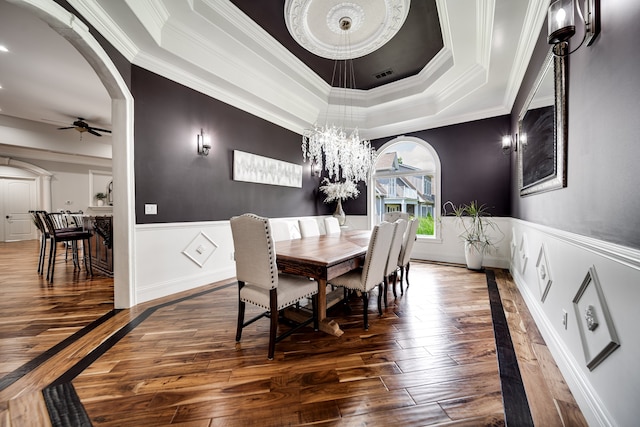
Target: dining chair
391	270
44	238
372	272
404	258
394	216
280	231
309	227
59	234
331	225
259	282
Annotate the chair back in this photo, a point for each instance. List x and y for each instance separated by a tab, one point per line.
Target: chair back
35	217
377	255
254	251
394	216
331	225
280	230
309	227
409	240
396	246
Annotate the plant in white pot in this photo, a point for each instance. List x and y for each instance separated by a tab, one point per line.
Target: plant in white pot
478	231
101	197
339	191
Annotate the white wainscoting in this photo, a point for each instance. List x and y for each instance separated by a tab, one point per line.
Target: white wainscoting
448	247
163	269
165	255
608	394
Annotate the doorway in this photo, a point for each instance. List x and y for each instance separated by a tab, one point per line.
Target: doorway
17	198
77	34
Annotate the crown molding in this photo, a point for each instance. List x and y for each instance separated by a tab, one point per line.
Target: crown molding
234	60
153	15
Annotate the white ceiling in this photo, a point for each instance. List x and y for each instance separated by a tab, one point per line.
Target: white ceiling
211	46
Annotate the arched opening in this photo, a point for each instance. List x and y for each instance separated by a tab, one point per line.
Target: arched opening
77	34
406	179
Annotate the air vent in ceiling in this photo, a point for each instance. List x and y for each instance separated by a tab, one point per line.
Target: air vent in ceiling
382	74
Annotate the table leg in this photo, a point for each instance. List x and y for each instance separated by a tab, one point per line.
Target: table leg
331	327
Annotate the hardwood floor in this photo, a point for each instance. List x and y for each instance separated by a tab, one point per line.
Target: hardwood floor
429	360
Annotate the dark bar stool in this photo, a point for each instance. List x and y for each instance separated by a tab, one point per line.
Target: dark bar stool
66	234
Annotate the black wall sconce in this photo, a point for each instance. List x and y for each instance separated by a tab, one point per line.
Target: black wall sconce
203	145
507	144
561	21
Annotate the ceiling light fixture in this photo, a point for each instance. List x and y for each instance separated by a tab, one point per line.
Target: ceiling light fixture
334	147
3	48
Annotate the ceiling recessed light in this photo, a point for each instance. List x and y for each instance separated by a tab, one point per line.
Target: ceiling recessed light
3	48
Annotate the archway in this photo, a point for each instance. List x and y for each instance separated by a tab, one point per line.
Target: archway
78	35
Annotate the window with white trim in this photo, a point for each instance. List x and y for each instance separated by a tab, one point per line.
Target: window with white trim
406	178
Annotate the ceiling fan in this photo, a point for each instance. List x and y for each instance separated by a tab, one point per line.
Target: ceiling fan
81	126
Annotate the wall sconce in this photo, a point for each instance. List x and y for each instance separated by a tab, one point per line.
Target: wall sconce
561	21
203	146
507	143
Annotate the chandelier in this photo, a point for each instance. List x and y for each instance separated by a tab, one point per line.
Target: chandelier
336	149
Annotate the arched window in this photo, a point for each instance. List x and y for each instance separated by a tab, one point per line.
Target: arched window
406	178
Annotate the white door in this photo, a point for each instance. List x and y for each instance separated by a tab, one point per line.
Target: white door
17	198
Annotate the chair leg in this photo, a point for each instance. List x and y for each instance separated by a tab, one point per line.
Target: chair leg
401	279
408	265
345	301
273	328
383	293
241	307
87	255
394	275
381	290
365	311
43	252
314	305
52	260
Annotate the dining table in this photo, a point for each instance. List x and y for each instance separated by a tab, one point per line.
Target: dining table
323	258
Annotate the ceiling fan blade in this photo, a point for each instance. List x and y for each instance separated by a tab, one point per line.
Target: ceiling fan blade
68	127
93	132
100	130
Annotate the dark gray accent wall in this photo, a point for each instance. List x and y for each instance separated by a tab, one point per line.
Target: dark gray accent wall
473	164
601	199
189	187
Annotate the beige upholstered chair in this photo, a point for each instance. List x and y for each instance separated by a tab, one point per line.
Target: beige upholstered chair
372	272
394	216
259	282
309	227
405	252
391	270
331	225
280	230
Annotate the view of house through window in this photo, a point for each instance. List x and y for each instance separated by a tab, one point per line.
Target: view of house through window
405	177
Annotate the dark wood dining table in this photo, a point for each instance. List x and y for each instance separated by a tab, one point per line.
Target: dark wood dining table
322	258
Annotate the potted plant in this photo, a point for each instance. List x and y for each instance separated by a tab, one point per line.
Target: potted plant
339	191
477	231
101	198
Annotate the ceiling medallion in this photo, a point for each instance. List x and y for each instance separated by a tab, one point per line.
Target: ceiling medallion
315	25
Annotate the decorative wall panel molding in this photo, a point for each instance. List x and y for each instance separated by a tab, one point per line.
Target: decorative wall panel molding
597	333
523	253
514	245
544	273
264	170
200	249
